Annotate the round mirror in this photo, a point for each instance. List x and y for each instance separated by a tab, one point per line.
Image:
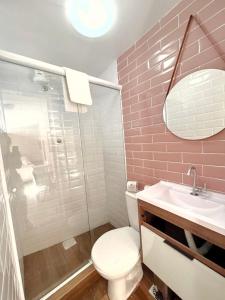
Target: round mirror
195	107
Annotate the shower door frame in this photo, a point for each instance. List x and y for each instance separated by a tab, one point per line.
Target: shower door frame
50	68
42	66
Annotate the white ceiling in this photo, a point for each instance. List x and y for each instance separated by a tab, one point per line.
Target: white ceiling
39	29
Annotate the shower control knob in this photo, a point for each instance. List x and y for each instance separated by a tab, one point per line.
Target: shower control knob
59	141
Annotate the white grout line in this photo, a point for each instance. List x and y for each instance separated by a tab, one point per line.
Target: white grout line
66	281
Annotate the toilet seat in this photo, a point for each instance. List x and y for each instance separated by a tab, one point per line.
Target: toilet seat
116	252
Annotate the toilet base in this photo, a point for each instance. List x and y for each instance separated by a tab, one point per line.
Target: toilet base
121	289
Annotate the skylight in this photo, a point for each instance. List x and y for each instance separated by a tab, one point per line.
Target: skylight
91	18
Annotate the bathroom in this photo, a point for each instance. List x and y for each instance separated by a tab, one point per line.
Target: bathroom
112	144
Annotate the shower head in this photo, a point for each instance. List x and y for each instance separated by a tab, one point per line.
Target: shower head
39	77
45	87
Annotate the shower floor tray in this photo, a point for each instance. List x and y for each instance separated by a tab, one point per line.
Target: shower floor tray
45	269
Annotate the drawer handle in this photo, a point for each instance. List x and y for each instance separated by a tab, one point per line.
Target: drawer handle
178	250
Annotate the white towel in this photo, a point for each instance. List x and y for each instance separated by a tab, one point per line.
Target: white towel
70	106
78	87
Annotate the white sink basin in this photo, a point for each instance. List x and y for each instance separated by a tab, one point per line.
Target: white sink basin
206	208
188	201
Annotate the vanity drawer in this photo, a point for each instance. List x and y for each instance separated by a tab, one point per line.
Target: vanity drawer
187	277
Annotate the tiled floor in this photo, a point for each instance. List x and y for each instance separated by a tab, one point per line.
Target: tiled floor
43	270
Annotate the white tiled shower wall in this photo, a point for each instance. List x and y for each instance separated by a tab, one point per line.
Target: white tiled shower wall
34	120
109	107
91	136
104	161
60	210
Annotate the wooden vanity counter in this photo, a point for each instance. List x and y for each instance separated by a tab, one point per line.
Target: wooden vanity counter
157	219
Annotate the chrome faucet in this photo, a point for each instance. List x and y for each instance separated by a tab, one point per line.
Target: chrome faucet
193	172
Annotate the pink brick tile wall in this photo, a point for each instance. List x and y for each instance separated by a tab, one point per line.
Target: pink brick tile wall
144	70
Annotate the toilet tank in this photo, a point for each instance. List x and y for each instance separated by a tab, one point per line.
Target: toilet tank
132	207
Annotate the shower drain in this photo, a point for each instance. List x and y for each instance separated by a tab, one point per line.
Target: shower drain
67	244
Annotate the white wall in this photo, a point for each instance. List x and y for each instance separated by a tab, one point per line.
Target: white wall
110	73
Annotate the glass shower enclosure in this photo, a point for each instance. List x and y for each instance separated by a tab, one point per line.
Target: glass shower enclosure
65	172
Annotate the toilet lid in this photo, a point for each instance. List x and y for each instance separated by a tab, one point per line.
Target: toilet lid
117	251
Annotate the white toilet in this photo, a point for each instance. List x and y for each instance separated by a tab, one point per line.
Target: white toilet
116	255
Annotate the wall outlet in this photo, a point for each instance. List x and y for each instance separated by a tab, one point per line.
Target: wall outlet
153	290
155	293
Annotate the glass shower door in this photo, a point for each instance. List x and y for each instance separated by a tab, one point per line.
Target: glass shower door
104	160
43	164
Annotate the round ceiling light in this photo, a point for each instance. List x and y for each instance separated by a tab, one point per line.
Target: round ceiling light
92	18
